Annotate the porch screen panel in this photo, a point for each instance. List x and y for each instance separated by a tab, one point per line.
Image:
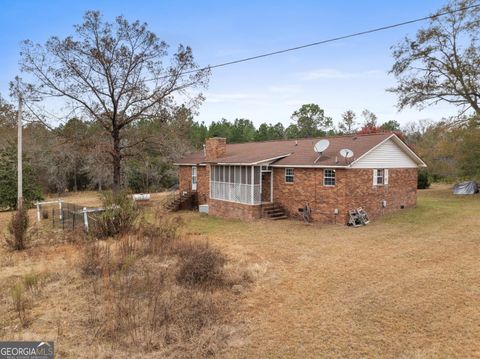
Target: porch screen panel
257	194
234	183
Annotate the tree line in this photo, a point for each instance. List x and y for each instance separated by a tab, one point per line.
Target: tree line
129	104
75	155
308	121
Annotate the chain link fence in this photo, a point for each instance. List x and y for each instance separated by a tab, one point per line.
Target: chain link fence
72	217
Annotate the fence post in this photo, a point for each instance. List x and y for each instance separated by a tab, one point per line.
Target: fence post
38	211
73	218
62	217
85	218
53	217
60	208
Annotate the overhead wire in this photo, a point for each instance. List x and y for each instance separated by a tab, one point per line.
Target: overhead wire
312	44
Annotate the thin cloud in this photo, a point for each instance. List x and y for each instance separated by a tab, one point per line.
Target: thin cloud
285	90
336	74
227	97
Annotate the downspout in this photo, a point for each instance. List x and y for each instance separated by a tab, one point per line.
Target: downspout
271	184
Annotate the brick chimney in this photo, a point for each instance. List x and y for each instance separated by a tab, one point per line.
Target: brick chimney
215	147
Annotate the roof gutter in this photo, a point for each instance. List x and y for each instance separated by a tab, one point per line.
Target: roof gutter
310	166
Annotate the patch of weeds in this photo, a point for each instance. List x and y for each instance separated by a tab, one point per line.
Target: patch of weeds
96	259
200	265
19	301
31	281
158	239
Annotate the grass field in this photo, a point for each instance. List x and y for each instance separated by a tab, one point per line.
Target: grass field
405	286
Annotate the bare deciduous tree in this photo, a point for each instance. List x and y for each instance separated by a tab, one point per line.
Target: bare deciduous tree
442	63
347	125
115	73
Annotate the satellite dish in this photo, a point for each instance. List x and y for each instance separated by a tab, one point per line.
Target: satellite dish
321	146
346	153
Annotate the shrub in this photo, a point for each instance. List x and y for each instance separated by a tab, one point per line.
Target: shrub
200	265
17	228
423	180
118	218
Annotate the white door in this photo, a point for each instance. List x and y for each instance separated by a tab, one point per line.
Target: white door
194	178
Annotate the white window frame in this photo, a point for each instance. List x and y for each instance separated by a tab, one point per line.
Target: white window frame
383	176
334	177
289	175
194	178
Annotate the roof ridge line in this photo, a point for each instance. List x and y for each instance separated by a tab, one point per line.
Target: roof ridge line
316	138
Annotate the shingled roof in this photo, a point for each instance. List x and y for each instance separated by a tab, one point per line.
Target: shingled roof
293	152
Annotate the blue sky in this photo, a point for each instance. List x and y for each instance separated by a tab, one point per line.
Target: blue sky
349	74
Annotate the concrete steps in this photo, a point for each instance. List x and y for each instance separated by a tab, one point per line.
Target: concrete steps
273	211
176	201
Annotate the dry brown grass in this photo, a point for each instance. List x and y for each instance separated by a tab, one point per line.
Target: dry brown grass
121	297
406	286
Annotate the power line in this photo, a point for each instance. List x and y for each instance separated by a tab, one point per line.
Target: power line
312	44
321	42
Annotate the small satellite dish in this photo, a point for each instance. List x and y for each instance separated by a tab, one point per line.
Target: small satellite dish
346	153
321	146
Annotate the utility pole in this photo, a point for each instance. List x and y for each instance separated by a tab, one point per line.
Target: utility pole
19	153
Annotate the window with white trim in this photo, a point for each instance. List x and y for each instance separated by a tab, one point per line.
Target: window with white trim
289	175
329	177
194	174
380	177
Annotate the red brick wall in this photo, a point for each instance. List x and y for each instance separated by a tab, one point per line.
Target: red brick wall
185	181
234	210
400	191
185	178
215	147
354	188
203	184
266	186
308	187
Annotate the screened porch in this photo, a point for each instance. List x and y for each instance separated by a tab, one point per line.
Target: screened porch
241	184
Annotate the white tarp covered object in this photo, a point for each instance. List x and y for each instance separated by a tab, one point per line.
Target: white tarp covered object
141	197
467	187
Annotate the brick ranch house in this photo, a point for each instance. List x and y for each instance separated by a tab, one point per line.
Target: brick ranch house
237	180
